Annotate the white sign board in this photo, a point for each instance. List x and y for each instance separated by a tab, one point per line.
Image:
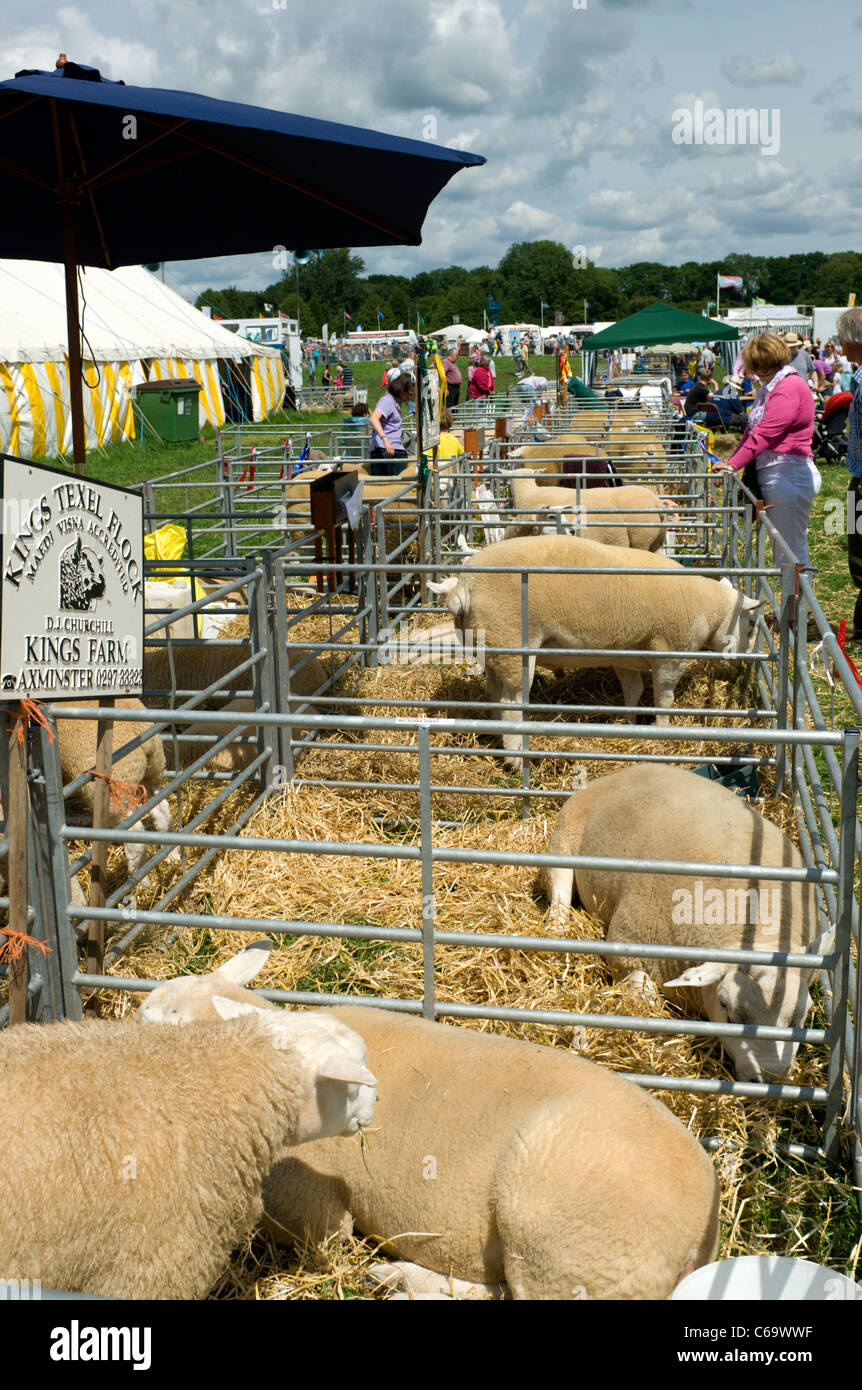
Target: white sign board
430	397
71	593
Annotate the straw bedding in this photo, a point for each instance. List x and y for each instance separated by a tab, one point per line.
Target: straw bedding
770	1204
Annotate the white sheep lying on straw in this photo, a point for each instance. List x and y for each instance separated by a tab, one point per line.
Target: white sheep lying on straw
698	821
173	1130
491	1160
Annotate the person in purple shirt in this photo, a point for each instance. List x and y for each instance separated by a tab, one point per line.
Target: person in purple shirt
387	426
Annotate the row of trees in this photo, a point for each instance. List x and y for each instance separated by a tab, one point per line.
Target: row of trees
332	284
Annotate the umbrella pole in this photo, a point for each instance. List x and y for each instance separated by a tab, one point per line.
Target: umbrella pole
73	334
17	814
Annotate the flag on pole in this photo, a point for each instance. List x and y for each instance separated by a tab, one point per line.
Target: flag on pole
380	315
348	316
420	322
730	282
544	305
306	449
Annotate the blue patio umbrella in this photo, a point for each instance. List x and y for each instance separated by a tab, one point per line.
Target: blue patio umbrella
94	172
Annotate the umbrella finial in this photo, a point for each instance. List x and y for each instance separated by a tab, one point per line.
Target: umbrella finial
61	61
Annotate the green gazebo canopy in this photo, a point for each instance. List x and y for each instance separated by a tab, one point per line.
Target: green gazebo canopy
660	323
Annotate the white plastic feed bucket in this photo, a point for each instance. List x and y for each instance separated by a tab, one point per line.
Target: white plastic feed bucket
763	1278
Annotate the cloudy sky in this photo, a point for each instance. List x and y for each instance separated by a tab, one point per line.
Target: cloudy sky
575	104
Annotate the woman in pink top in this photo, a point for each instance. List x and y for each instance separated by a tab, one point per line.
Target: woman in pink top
778	437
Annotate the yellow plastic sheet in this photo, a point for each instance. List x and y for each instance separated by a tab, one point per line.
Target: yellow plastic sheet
167	543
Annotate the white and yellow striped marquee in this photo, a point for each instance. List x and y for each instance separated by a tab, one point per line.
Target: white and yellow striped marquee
135	329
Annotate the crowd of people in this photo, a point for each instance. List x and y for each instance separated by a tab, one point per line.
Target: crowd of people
825	369
771	395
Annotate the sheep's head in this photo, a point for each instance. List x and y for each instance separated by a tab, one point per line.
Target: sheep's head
340	1090
188	998
738	631
573	521
764	994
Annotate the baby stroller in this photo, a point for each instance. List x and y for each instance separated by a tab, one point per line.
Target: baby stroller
830	440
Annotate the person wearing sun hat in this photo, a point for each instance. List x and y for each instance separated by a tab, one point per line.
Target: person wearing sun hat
800	359
726	399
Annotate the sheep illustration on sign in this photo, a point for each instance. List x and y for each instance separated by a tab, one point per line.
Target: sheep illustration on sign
81	579
72	567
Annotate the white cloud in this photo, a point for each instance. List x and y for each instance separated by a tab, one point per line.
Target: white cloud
752	72
573	109
527	223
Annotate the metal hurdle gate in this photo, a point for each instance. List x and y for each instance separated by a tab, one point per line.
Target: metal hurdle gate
797	732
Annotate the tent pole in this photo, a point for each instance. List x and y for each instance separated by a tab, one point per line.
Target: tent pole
69	212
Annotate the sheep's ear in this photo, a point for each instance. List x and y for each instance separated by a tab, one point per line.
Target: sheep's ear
822	945
751	603
335	1063
232	1008
724	580
445	586
248	963
699	976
